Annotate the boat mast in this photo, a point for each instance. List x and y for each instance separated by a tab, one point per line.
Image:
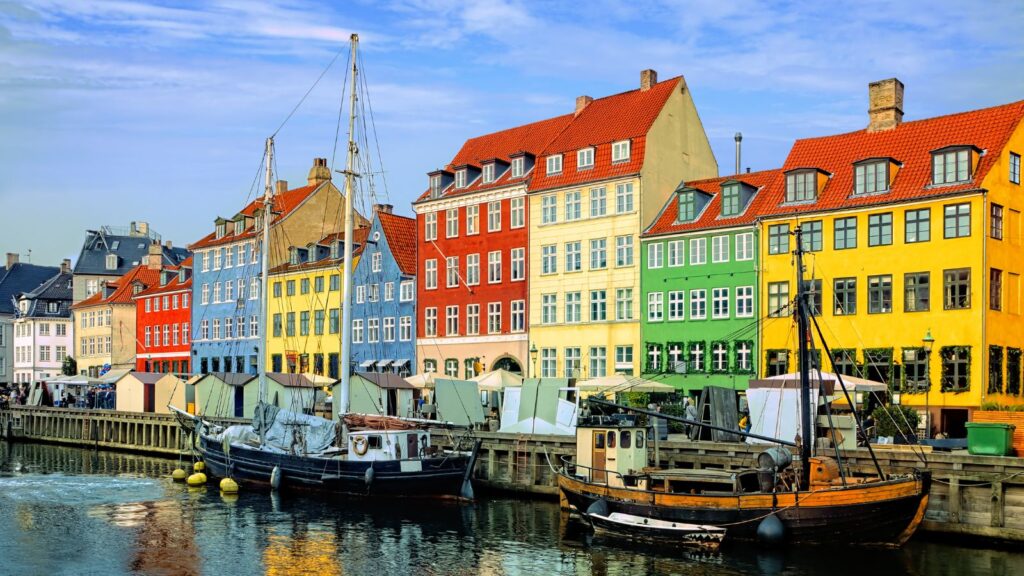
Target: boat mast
346	285
268	210
803	334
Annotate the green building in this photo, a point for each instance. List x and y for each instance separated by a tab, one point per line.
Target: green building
700	317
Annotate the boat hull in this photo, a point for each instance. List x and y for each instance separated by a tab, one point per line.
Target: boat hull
680	535
879	513
440	477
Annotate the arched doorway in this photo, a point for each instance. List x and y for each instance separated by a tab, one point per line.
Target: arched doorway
509	364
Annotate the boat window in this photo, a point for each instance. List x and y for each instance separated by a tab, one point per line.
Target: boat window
599	440
374	442
625	439
611	439
639	440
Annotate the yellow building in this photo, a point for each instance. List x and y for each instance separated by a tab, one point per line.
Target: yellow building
304	307
596	187
914	233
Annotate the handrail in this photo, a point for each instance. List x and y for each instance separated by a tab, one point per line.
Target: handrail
607	472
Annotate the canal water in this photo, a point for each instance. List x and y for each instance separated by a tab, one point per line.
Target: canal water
74	511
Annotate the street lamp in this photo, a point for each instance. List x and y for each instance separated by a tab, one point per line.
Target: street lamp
533	358
927	342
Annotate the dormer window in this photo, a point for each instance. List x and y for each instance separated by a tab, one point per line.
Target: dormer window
136	288
181	275
871	176
802	186
620	151
730	200
111	262
460	178
488	175
554	164
115	244
951	165
518	167
687	206
585	158
52	307
222	229
293	258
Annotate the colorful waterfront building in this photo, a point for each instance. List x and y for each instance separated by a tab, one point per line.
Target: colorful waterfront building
163	315
109	252
699	320
304	308
472	241
384	303
43	329
914	238
16	277
597	185
226	300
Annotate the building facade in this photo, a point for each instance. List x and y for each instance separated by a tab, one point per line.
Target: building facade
596	187
162	317
16	277
699	319
43	330
384	302
111	251
913	231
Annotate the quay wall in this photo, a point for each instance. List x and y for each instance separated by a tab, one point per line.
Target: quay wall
978	496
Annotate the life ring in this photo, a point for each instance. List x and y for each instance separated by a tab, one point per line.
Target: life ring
360	445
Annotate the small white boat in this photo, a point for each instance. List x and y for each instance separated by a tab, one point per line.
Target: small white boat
643	528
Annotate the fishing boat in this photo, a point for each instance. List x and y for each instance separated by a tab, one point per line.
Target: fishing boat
818	502
644	529
361	454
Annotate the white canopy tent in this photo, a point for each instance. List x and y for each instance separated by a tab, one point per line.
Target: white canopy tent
620	383
497	380
422	380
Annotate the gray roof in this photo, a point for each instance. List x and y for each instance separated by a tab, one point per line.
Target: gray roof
131	250
56	289
21	277
147	377
385	379
232	378
291	380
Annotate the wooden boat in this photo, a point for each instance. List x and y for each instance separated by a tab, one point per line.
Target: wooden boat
618	524
772	502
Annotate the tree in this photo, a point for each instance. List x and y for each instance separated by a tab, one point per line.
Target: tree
70	366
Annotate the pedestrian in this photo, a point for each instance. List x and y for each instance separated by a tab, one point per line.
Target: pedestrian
691	414
745	421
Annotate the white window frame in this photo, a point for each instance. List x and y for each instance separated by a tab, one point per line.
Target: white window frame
719	249
677	305
744	301
494	267
585	158
698	246
451	223
553	164
430	226
698	296
655	255
430	277
494	216
518	167
518	264
472	220
720	303
655	306
518	215
620	151
488	173
472	269
744	246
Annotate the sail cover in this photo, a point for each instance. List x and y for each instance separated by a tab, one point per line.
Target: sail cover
293	432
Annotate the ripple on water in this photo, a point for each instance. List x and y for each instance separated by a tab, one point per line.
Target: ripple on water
81	490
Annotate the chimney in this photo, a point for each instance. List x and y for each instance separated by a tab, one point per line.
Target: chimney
155	260
319	173
65	266
142	228
280	187
168	244
581	103
385	208
738	138
885	104
648	78
12	259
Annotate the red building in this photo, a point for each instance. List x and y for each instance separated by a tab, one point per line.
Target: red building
162	315
472	241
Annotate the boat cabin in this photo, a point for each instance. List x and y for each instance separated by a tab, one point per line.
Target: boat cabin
611	449
370	445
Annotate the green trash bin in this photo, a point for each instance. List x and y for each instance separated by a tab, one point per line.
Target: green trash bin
990	438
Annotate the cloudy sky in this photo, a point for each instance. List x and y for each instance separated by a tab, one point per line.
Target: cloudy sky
113	111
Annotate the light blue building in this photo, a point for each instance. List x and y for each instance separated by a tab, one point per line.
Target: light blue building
384	300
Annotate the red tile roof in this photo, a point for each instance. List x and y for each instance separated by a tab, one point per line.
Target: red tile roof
284	203
710	217
122	293
910	143
401	234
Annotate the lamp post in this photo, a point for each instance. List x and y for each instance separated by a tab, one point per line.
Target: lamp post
927	342
533	358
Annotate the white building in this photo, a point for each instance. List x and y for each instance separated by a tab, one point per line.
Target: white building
43	329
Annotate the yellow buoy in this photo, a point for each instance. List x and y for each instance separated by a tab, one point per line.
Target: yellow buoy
178	475
199	466
228	486
197	479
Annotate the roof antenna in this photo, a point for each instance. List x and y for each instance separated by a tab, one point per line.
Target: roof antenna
738	138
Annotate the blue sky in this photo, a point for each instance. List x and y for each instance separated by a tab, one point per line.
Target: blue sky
112	111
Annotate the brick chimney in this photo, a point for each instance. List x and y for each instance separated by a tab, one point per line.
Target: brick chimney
319	173
65	266
648	78
280	187
885	104
581	103
385	208
12	259
155	259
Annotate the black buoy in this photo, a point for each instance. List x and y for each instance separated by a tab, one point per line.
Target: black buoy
771	530
368	478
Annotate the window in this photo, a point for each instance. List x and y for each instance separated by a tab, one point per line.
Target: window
572	362
918	225
1014	168
289	288
290	324
452	272
460	178
951	166
216	294
957	220
304	323
360	293
778	239
778	362
598	202
811	236
744	301
880	294
254	326
730	200
957	289
598	254
389	291
916	292
573	206
277	325
695	355
698	251
431	274
956	362
598	306
519	264
205	256
217	258
720	249
494	318
814	296
676	253
677	305
472	319
686	206
451	314
334	323
655	255
430	226
318	322
698	304
995	370
719	357
720	303
598	361
620	151
1012	370
494	216
430	321
548	362
573	257
451	228
472	269
518	167
204	329
406	290
653	358
573	307
778	299
216	329
229	257
405	328
488	175
880	229
549	209
549	259
148	333
624	198
451	368
801	186
519	315
624	304
240	326
554	164
871	177
997	222
303	288
845	290
845	233
494	267
745	246
995	289
623	250
518	216
374	292
111	262
548	305
585	158
357	330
